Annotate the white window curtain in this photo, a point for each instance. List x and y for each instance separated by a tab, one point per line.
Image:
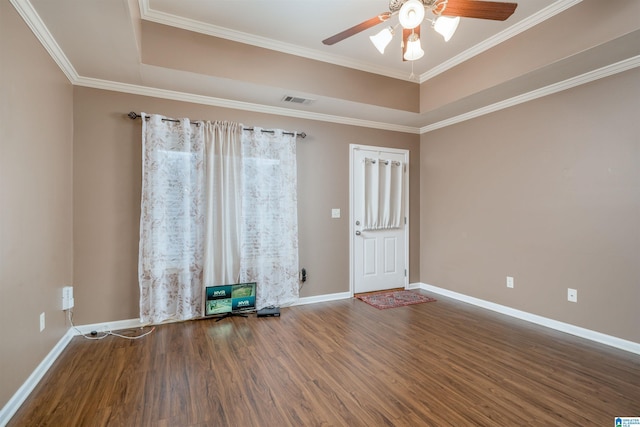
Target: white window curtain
224	202
269	252
382	194
172	220
218	206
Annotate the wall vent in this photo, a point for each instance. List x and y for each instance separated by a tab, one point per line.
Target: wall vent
297	100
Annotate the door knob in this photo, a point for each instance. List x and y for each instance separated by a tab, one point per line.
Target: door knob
358	233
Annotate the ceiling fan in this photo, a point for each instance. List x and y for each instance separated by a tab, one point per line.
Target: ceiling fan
411	13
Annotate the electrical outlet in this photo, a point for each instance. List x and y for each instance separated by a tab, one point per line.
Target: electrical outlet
509	282
572	295
67	297
42	321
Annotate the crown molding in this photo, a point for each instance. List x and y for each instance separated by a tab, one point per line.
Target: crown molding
149	14
152	15
529	22
588	77
237	105
40	30
37	26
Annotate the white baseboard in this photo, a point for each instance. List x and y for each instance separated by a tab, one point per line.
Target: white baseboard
23	392
323	298
107	326
568	328
27	387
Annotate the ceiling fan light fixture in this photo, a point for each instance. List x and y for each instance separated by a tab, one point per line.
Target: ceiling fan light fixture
446	26
411	14
382	39
414	50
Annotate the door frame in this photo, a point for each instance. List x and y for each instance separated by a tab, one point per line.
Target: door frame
405	152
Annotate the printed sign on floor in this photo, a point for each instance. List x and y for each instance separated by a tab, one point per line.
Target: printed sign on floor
627	422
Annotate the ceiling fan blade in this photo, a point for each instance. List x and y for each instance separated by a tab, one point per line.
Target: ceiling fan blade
357	28
494	10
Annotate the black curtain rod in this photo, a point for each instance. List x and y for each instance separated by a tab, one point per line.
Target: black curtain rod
133	115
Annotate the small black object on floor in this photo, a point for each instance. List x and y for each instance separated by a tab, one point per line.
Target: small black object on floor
269	312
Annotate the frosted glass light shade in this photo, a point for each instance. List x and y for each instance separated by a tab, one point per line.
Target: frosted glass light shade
382	39
414	50
411	14
446	26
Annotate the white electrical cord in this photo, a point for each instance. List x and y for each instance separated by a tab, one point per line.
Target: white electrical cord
102	335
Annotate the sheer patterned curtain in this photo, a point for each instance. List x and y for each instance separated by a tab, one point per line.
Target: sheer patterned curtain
172	220
269	250
219	206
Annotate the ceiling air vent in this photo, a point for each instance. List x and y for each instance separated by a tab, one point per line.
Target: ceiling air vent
297	100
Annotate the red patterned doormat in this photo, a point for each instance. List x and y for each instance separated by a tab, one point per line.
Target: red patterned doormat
383	300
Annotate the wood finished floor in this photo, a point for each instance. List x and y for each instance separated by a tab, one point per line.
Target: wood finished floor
340	363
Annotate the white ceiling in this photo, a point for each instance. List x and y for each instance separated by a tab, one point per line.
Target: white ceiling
97	43
299	26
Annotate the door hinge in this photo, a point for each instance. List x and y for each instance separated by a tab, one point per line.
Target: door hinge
405	272
405	220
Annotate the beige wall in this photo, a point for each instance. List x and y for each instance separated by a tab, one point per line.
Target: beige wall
547	192
36	255
178	49
107	196
581	39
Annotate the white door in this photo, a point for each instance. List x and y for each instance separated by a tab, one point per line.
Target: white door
379	255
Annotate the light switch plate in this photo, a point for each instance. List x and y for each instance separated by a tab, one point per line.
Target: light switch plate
335	213
509	282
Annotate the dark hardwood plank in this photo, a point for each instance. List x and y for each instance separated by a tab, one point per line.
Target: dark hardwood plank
342	363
